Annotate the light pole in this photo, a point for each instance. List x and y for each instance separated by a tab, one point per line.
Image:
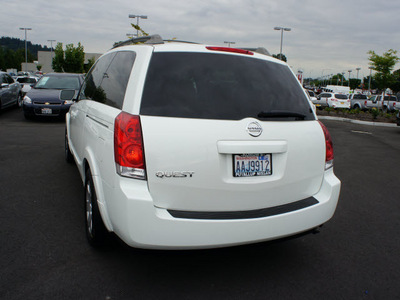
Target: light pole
349	76
229	43
137	23
370	75
358	70
282	29
342	77
26	48
51	48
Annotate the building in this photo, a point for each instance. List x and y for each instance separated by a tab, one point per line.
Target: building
45	60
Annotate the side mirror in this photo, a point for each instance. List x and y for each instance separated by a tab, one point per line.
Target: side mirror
67	95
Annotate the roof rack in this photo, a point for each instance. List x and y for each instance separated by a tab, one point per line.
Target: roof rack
179	41
149	39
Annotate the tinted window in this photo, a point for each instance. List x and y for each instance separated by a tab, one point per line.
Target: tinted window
340	96
215	86
26	80
10	80
107	81
116	78
359	96
91	88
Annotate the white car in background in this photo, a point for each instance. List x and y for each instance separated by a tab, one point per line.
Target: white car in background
184	146
335	100
26	82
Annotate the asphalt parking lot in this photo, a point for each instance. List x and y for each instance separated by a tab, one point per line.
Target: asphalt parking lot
44	253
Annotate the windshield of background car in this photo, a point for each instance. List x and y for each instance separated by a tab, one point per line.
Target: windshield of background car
215	86
58	82
340	96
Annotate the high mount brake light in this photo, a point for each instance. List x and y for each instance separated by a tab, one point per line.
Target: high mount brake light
233	50
128	146
328	147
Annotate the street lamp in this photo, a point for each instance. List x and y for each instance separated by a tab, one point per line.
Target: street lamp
26	48
370	75
137	23
349	76
282	29
342	77
229	43
358	70
51	48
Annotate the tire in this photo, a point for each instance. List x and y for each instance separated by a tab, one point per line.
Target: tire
96	232
68	155
19	100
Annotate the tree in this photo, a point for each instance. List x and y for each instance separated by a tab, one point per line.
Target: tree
71	60
58	60
74	59
383	66
278	56
90	63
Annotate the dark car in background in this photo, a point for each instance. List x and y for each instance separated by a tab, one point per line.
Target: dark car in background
10	91
43	100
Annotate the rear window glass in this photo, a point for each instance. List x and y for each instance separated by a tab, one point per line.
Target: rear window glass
359	96
390	98
216	86
340	96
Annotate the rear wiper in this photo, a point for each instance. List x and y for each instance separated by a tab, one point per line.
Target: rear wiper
281	114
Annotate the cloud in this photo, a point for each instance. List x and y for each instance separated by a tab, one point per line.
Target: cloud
333	35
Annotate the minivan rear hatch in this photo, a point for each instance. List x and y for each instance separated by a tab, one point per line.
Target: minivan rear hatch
228	132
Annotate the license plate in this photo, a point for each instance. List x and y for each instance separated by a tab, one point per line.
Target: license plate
249	165
342	103
47	111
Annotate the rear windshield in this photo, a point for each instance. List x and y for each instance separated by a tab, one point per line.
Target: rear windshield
340	96
227	87
359	96
26	80
390	98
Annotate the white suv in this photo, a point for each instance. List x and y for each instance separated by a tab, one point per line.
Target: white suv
185	146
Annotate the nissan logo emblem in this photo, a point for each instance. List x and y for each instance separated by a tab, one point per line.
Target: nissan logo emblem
254	129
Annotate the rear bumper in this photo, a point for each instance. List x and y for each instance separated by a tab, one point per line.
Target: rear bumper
139	224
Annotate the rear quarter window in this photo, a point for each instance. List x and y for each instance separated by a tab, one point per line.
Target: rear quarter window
107	81
216	86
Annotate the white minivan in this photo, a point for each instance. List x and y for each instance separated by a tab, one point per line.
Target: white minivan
184	146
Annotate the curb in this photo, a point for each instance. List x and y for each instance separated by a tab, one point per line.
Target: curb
379	124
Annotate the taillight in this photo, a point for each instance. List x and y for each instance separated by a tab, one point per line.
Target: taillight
365	103
228	49
328	147
128	146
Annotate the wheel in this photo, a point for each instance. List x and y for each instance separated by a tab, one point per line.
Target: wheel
19	100
68	155
96	232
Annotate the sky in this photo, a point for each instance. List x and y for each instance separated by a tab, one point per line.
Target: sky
326	37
